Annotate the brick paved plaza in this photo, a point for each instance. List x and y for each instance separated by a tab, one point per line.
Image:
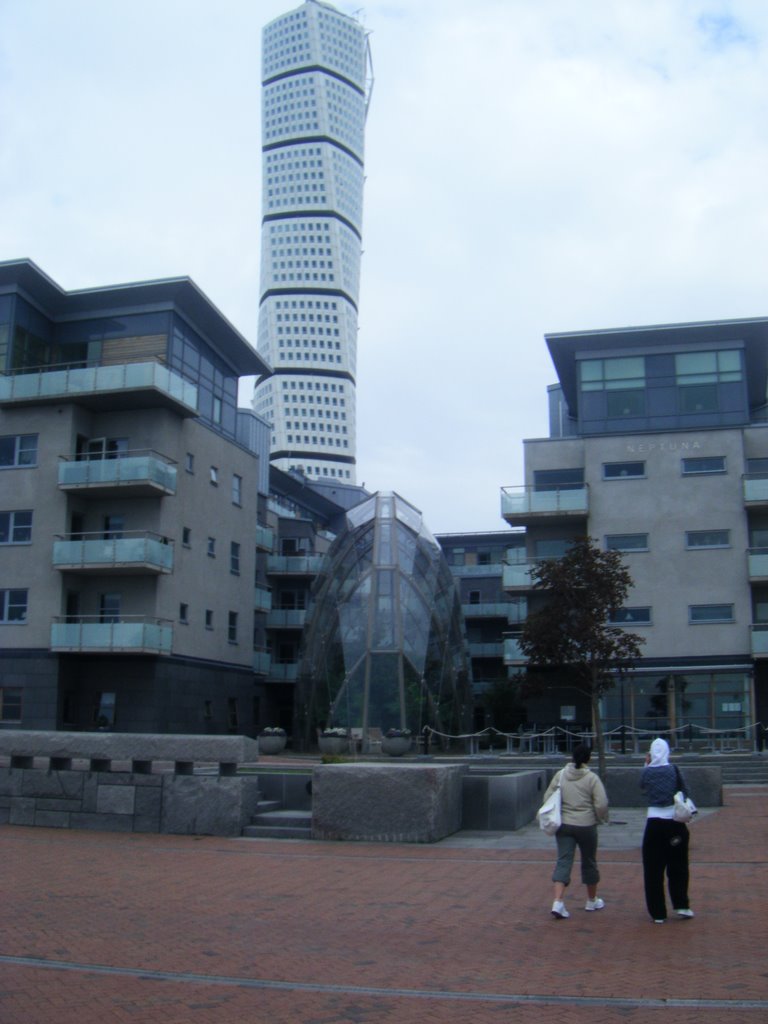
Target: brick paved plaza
101	928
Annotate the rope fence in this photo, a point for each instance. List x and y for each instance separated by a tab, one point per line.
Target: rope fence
556	738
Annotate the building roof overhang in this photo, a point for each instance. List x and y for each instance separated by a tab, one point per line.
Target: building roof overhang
178	294
752	334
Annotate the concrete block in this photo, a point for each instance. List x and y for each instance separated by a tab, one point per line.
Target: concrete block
207	805
146	815
39	783
404	803
52	819
116	799
501	803
22	811
128	746
10	782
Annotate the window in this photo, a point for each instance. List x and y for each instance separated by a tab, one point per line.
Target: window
693	368
624	403
215	476
701	465
237	489
104	711
109	607
623	374
211	547
18	450
184	613
707	538
216	409
557	479
189	463
13	605
16	527
232	720
114	527
208	618
551	547
626	542
10	703
234	558
232	628
474	597
631	616
186	536
623	470
710	613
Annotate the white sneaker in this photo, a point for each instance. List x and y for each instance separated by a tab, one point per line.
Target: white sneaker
558	909
595	904
685	913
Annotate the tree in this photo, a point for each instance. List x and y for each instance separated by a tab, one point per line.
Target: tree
572	630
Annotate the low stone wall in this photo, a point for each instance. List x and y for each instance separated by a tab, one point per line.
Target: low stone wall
129	746
403	803
126	801
704	782
501	803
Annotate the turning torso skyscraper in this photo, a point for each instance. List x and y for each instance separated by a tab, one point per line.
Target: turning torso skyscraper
315	92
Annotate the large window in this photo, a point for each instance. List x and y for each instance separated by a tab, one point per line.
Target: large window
623	374
13	606
702	465
623	470
18	450
626	542
693	368
16	527
710	613
638	616
708	539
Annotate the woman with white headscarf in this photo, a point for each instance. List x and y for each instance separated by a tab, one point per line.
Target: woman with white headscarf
665	841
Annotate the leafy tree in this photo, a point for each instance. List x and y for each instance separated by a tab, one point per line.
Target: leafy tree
571	630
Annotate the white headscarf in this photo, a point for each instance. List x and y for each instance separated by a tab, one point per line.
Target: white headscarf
659	753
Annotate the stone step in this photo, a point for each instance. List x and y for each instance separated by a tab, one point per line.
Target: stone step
280	824
268	806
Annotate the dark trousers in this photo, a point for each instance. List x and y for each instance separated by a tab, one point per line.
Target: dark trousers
665	849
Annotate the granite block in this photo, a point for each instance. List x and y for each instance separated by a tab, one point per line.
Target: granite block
116	799
128	746
52	819
404	803
102	822
39	783
22	811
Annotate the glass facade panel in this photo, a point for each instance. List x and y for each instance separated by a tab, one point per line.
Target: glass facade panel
384	644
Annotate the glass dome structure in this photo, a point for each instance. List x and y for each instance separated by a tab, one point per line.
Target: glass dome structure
384	646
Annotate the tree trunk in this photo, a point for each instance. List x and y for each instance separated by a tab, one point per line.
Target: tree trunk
597	725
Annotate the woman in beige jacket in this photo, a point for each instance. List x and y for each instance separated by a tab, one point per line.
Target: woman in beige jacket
584	805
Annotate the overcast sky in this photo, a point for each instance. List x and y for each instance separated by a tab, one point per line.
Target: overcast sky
532	166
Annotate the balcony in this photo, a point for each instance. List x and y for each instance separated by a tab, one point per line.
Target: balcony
518	576
129	555
755	489
283	672
286	618
487	610
262	599
261	662
494	569
523	506
512	653
486	650
265	538
757	565
139	473
122	386
296	565
759	640
131	635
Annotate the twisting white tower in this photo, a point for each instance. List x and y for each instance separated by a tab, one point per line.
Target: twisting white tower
315	92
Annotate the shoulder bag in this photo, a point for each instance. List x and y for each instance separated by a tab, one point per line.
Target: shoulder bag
549	814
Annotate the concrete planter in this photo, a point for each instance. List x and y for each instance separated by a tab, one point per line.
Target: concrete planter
272	744
396	746
333	744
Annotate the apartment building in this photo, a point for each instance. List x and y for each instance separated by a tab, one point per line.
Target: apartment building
658	448
130	486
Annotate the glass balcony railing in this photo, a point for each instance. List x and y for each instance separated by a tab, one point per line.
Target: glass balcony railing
494	569
128	636
51	383
262	599
488	610
261	662
512	653
523	502
286	618
757	563
137	553
756	487
517	577
265	538
283	671
485	650
760	640
133	470
304	565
